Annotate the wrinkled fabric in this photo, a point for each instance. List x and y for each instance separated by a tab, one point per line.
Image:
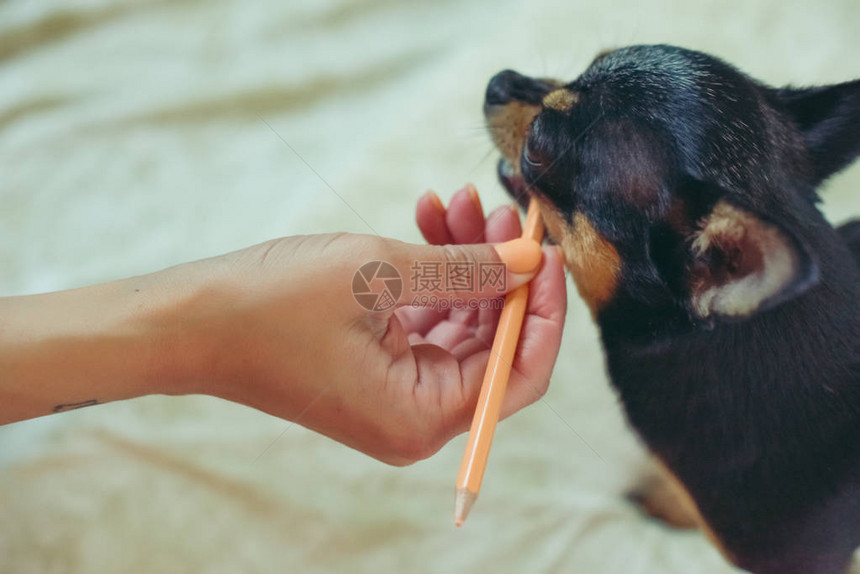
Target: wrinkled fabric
138	134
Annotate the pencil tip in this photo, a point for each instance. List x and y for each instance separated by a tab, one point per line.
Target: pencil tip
465	499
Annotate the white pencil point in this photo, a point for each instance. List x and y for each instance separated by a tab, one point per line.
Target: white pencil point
465	499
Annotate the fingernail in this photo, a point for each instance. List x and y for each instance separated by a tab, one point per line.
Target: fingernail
473	195
518	280
521	255
435	201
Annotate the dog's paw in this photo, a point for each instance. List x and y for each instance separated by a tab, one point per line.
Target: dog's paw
660	498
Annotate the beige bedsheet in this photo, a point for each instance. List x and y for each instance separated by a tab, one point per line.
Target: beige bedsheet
132	137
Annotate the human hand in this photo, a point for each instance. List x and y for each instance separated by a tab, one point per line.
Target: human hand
397	384
276	327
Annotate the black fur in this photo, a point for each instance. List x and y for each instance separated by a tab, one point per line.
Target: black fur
758	416
850	233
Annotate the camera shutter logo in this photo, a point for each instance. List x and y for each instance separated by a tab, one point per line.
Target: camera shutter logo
377	286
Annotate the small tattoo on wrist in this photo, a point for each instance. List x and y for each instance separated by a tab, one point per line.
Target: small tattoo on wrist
72	406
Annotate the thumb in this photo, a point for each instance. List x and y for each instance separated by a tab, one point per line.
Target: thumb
452	274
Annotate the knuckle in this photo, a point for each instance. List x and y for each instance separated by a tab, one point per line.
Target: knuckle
373	247
334	242
459	254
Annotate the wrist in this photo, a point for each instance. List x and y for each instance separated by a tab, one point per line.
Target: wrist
73	348
204	326
180	327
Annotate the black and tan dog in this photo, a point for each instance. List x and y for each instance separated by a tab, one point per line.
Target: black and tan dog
683	194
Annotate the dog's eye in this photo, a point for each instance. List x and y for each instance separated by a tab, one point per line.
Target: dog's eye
530	157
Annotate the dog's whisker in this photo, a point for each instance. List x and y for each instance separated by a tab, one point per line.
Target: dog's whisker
480	162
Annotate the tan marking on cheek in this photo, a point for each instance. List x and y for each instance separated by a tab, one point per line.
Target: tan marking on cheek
508	126
560	100
686	500
593	261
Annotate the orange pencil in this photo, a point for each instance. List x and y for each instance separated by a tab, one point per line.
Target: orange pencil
494	385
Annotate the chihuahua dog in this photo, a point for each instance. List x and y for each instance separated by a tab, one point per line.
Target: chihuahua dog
683	194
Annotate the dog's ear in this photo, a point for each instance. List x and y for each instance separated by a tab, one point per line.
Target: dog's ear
741	264
828	117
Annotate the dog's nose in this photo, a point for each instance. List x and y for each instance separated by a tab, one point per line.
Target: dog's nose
504	87
508	86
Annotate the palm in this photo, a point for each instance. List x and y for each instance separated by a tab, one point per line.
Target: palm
460	332
467	335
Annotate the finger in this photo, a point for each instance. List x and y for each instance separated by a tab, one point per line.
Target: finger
419	319
453	276
430	217
416	339
503	224
548	291
465	216
470	347
448	334
488	320
541	334
465	316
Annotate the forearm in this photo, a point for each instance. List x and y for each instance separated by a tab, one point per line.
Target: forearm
97	344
